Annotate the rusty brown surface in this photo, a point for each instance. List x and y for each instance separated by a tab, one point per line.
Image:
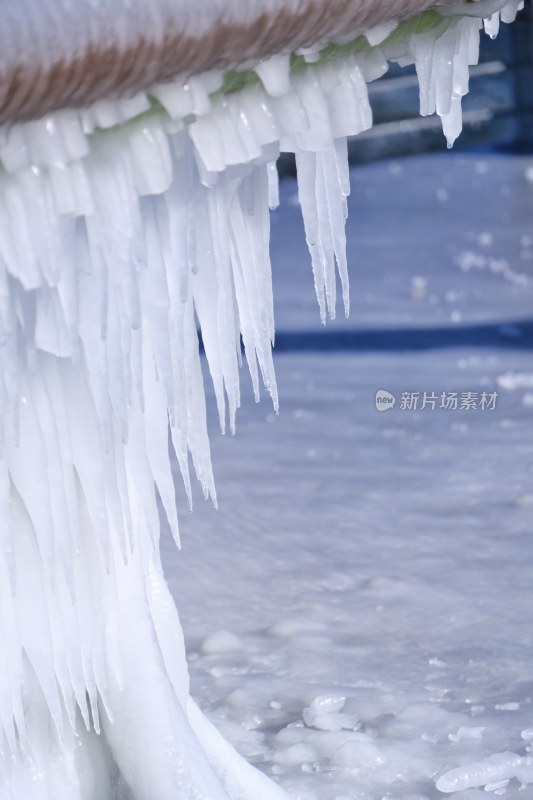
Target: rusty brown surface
29	92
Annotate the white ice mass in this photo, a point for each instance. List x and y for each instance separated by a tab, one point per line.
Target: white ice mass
126	229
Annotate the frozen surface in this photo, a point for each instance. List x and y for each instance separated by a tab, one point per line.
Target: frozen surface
370	573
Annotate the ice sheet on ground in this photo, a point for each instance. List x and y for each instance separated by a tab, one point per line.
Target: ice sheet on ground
372	572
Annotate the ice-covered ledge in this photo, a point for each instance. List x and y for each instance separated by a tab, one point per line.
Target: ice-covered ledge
60	54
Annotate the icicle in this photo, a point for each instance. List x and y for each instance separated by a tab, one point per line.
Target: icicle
273	186
492	25
442	67
275	74
510	10
379	33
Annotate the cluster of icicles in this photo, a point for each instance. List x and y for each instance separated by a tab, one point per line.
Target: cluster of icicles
122	232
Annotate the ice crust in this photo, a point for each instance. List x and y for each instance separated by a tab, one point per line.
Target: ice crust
122	234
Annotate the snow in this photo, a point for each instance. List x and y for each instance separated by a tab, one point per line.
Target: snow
384	558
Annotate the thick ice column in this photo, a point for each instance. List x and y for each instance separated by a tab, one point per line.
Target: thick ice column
94	682
101	355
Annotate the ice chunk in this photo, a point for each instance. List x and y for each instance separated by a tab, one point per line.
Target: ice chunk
295	755
380	32
325	704
359	755
497	767
221	642
275	74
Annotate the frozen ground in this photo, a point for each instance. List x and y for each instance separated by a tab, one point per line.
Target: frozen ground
381	558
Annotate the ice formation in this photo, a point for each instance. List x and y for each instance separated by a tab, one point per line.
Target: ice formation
126	228
58	53
493	772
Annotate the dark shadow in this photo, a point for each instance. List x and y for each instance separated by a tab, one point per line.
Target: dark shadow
513	335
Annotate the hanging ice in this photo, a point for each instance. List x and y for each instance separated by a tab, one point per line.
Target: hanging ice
117	243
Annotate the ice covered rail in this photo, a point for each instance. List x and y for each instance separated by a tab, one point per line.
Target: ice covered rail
60	54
